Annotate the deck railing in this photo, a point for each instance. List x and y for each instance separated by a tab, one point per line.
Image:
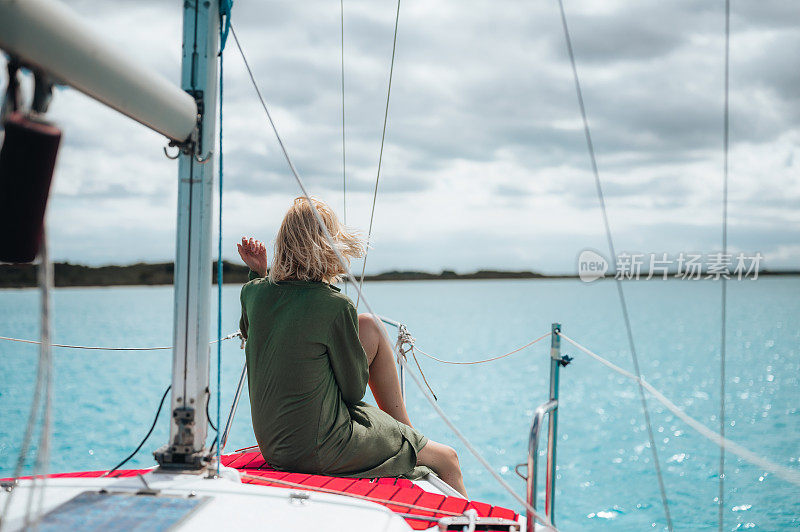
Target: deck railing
550	408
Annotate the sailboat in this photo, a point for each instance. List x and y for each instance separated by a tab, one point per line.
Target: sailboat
191	486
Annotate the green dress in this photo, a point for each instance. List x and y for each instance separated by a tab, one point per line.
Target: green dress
307	374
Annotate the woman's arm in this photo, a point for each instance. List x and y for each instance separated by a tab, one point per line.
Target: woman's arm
254	253
348	360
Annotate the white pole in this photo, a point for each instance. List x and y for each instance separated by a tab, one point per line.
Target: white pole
47	35
190	360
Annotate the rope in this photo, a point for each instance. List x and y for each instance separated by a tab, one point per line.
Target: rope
620	292
404	339
42	389
723	302
352	279
380	156
29	427
237	334
348	494
46	354
785	473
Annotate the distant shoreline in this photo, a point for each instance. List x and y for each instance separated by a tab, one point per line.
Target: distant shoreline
155	274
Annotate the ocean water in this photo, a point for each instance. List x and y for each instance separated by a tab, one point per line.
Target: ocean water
105	401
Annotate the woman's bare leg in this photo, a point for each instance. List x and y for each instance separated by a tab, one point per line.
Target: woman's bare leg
444	461
385	386
383	379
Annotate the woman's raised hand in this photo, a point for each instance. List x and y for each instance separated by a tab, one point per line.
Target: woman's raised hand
254	254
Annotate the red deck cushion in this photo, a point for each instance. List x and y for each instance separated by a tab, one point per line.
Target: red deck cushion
387	489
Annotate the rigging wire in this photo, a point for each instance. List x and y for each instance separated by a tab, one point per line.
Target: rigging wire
349	274
344	149
620	291
149	432
723	302
380	156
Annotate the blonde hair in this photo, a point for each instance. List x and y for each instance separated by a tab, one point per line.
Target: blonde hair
303	253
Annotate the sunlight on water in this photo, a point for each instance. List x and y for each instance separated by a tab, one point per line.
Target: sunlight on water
104	401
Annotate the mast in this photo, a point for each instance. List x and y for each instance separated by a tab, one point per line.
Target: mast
190	357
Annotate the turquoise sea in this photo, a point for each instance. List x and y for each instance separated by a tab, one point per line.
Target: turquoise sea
104	401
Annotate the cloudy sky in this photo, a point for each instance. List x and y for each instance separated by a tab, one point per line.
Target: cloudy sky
485	164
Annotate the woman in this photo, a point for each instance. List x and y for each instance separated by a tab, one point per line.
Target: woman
310	357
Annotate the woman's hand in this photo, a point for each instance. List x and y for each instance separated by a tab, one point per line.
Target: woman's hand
254	254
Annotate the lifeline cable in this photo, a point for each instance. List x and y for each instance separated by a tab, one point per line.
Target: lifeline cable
492	359
620	292
785	473
94	348
329	239
99	348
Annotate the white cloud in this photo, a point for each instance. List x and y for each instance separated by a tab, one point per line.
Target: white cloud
485	163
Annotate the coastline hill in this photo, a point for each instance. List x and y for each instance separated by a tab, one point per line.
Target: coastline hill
67	274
